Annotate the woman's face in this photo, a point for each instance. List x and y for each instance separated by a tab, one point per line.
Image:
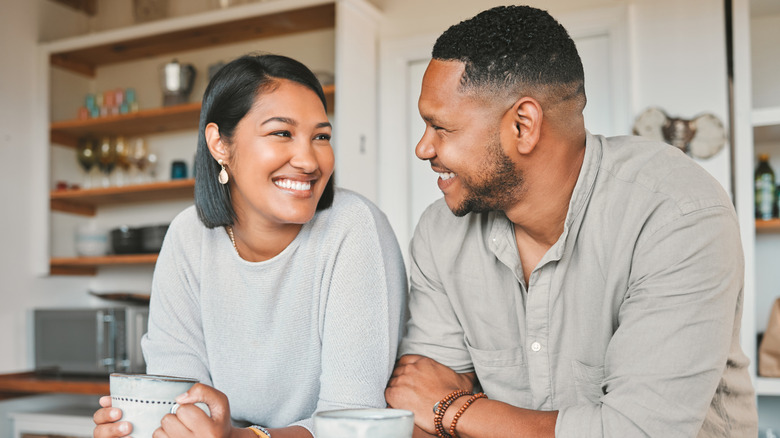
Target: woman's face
280	156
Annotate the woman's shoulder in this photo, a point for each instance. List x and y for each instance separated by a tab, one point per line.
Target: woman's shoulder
186	219
349	204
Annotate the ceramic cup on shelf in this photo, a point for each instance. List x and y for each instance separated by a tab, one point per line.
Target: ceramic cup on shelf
364	423
91	241
145	399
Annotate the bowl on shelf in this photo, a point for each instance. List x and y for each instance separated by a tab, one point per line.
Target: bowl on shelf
126	240
91	241
152	237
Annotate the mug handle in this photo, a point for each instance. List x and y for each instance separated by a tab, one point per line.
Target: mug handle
203	406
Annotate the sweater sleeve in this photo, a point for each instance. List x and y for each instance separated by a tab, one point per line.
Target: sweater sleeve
361	316
174	343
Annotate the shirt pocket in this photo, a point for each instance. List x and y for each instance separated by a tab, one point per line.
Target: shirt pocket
502	374
588	382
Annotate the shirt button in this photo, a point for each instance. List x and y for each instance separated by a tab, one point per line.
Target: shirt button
536	346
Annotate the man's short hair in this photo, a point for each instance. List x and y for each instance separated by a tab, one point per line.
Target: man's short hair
513	48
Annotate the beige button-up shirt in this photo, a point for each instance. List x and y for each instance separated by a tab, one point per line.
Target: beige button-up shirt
629	325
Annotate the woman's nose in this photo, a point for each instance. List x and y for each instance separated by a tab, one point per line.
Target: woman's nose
305	159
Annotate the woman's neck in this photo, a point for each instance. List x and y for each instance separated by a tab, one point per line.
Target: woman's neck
259	242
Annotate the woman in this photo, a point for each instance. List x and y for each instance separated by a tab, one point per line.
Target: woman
277	290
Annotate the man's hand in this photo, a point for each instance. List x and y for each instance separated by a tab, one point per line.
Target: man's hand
419	382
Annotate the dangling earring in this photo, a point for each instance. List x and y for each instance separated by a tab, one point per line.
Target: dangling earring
223	175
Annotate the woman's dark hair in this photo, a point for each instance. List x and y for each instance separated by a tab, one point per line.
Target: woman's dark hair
512	47
228	98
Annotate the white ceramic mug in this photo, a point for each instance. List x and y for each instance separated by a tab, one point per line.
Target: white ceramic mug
364	423
145	399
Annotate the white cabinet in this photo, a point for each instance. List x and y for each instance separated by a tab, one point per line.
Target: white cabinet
337	36
757	130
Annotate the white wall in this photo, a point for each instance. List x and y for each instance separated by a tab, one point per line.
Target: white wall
20	290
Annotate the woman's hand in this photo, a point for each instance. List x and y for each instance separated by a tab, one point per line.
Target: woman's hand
105	419
191	421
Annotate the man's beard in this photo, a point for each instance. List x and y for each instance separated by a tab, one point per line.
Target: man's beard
497	190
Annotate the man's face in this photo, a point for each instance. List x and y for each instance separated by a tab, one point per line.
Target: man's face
462	142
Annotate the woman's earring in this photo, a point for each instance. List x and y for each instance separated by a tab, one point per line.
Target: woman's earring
223	175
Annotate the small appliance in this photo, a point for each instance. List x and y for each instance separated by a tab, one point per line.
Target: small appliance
95	341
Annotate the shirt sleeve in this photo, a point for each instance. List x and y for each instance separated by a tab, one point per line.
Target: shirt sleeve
433	329
673	332
174	343
362	319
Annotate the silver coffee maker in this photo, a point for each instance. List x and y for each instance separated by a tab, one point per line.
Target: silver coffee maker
176	82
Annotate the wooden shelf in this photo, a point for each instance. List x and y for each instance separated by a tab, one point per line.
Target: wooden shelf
86	201
144	122
766	116
243	23
30	383
89	265
768	226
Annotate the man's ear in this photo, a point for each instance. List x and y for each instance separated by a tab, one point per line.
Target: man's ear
525	117
214	141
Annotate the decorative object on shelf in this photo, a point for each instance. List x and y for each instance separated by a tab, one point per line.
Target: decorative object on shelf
765	190
106	159
149	10
139	157
126	240
701	137
123	161
91	241
176	81
178	169
86	155
108	103
152	237
769	350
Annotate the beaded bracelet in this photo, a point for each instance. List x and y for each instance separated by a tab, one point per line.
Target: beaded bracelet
260	431
462	410
441	408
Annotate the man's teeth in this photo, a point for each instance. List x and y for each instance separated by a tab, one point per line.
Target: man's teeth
446	175
294	185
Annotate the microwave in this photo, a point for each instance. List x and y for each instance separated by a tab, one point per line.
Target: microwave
96	341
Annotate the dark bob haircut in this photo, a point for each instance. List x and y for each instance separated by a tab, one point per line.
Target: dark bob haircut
509	48
228	98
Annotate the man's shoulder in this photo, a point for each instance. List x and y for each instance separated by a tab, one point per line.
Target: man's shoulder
663	171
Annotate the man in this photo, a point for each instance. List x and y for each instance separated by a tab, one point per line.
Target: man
589	286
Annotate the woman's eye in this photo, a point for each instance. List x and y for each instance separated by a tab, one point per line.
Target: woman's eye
325	137
282	134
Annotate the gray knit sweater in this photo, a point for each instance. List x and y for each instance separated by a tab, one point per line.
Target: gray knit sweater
315	328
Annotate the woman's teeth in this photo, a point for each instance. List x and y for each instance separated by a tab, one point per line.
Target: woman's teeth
446	175
293	185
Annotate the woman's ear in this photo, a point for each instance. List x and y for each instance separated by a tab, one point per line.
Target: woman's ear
214	141
525	117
